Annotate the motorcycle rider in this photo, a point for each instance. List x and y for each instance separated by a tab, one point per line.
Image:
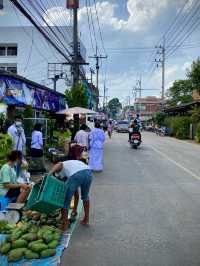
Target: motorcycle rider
134	129
138	121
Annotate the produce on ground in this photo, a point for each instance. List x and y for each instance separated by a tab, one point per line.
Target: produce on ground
29	241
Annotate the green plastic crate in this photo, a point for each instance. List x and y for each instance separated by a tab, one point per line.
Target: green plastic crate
48	196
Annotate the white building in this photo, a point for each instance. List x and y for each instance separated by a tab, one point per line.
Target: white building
23	50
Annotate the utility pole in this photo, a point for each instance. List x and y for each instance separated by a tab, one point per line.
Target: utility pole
75	43
104	97
97	57
55	79
161	61
138	88
91	74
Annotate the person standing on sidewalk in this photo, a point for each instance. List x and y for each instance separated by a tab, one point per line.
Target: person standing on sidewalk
110	128
82	136
96	147
78	174
16	132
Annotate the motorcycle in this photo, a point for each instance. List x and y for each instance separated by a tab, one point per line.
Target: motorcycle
135	140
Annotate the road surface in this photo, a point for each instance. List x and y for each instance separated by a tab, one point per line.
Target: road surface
145	207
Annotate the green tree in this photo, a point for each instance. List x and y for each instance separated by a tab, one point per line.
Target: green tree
159	118
194	75
77	96
114	106
195	115
180	92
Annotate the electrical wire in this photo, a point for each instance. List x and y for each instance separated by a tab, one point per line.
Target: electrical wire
34	14
186	26
98	22
29	56
89	26
93	27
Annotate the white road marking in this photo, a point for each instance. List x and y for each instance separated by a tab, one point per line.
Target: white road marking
176	163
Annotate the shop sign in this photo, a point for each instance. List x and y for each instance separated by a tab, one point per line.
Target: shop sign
72	4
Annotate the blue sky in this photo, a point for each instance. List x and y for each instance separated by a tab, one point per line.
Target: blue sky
127	24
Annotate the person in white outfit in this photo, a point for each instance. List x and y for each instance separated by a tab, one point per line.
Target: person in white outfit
16	132
37	162
37	141
82	136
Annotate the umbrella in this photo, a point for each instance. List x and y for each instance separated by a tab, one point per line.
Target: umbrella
76	110
81	110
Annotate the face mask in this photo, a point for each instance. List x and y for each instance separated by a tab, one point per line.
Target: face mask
18	124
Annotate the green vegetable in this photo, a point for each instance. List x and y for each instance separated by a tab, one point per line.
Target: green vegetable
53	244
30	255
48	237
33	229
57	236
5	248
25	228
48	253
20	243
30	237
40	241
38	247
15	235
15	254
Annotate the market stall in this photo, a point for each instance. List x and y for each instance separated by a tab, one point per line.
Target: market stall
36	239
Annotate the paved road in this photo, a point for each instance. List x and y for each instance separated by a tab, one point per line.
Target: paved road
145	207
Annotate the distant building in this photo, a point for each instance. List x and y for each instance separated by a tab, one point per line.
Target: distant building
147	106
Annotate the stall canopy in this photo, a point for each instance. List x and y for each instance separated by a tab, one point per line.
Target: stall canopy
76	110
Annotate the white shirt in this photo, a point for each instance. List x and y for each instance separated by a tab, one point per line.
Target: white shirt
82	138
72	167
37	141
18	137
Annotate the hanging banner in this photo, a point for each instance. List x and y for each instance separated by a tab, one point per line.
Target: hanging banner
17	92
71	4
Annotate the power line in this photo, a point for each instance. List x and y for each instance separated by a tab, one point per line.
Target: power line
28	14
176	19
29	56
176	39
89	25
93	27
100	32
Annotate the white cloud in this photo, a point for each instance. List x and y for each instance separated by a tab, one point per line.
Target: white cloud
141	14
57	16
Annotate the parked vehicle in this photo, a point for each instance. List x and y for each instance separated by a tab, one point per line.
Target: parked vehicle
123	126
135	140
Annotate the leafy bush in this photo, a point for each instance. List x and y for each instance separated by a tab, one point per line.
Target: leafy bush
197	133
159	118
180	126
195	115
5	145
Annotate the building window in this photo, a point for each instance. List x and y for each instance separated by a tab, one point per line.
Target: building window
1	4
12	69
12	50
9	68
8	50
2	50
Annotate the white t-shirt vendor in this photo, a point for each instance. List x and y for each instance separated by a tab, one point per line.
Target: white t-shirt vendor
79	175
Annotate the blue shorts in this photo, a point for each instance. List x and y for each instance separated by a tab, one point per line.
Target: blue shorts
82	179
